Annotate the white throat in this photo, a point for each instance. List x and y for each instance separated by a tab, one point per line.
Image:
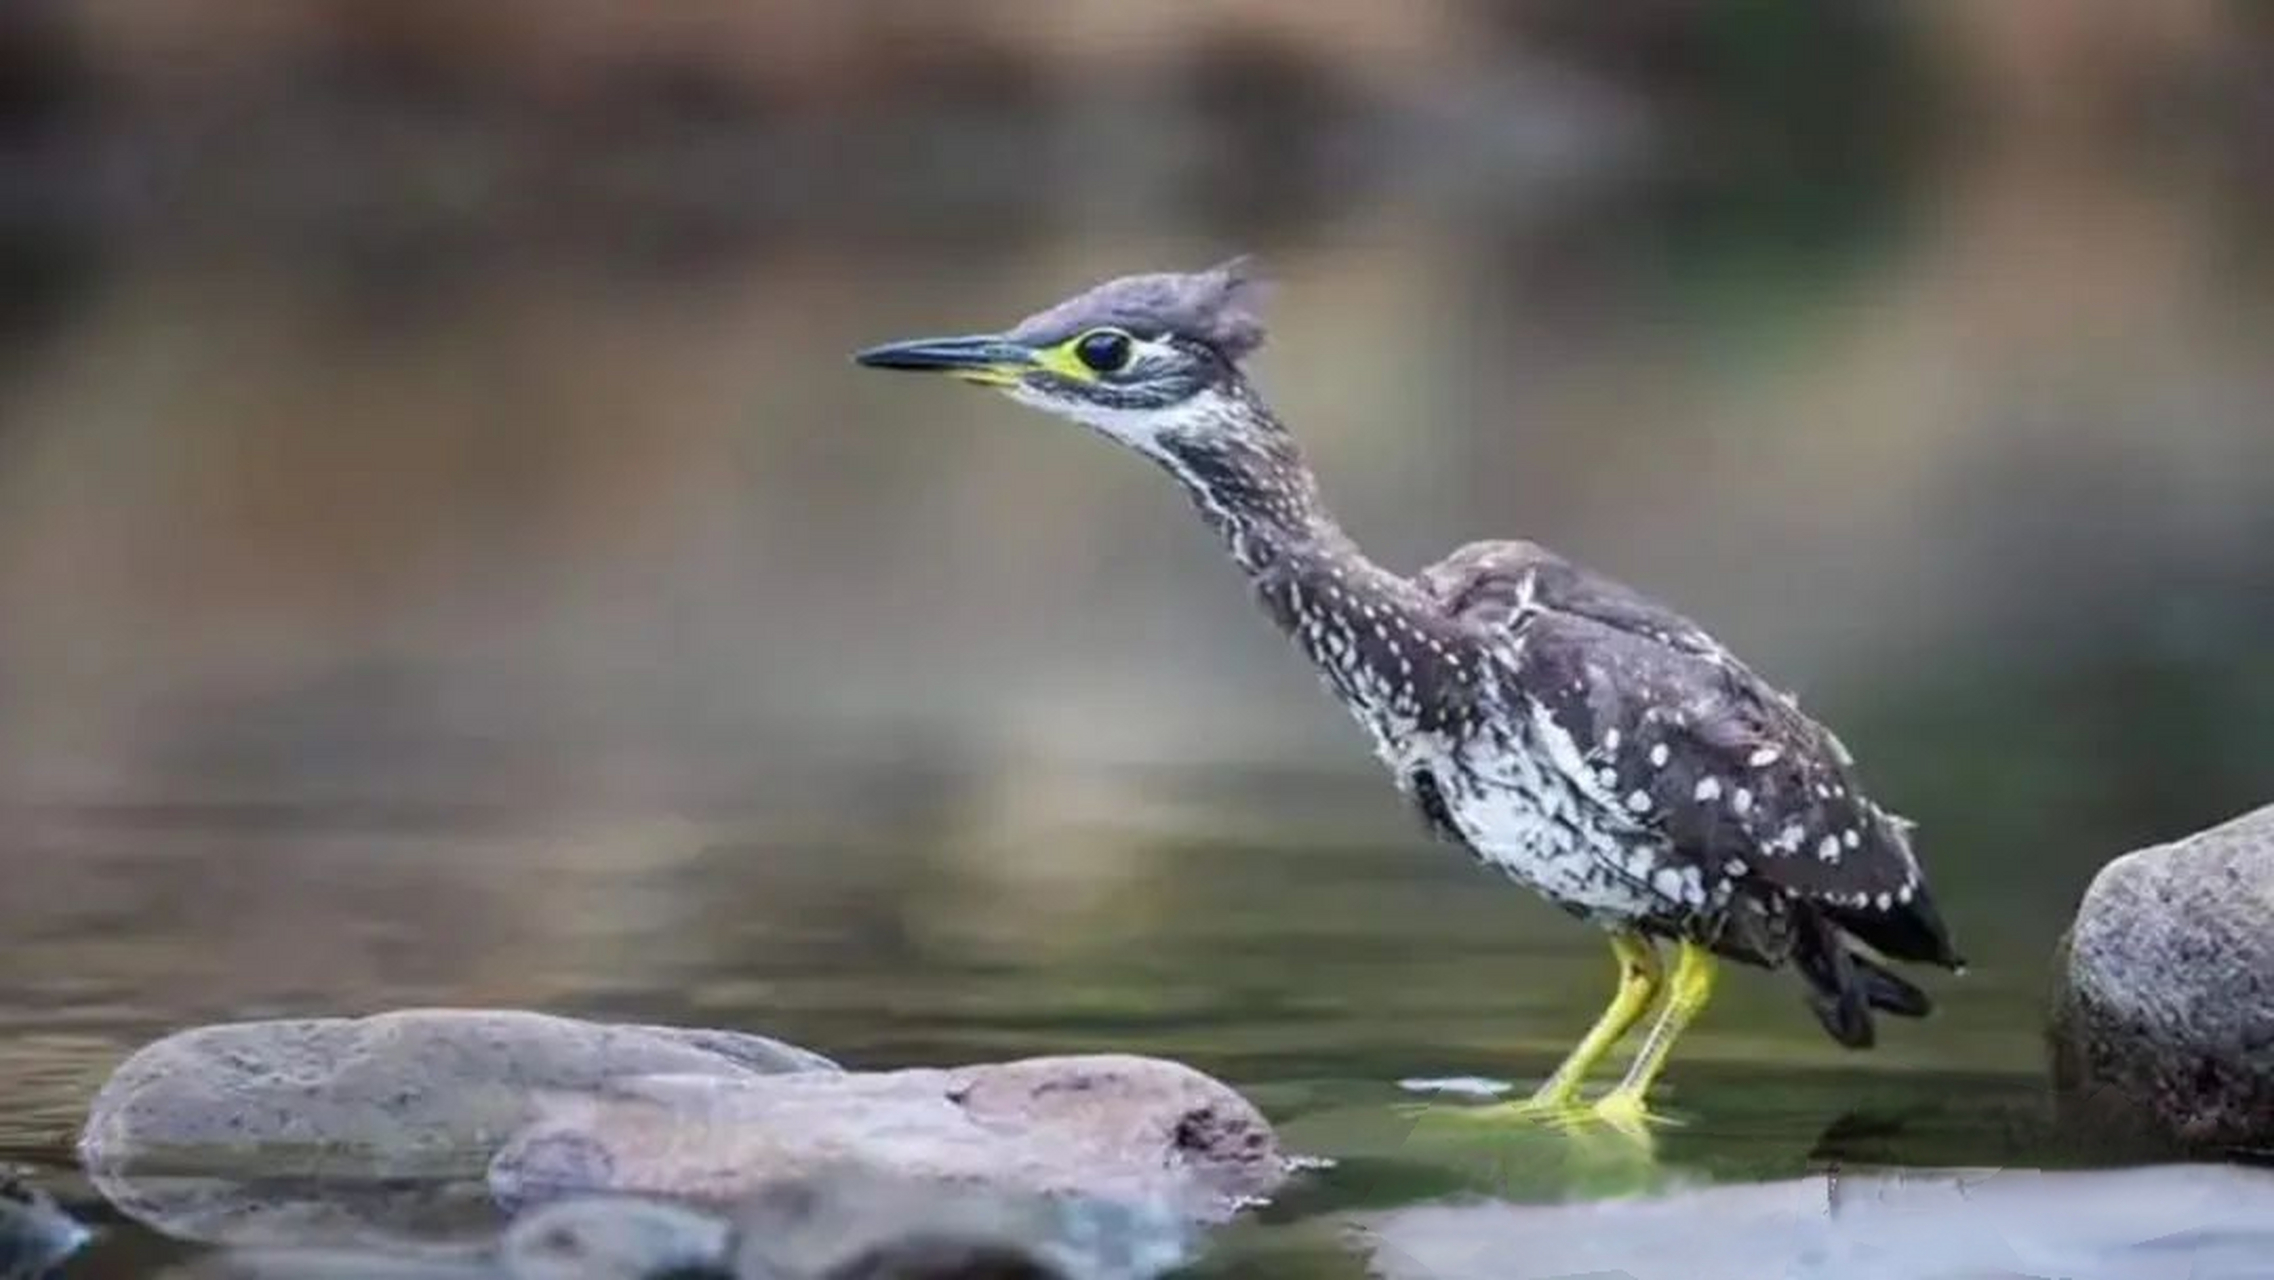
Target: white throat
1208	413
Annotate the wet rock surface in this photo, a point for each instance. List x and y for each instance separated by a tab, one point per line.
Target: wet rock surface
1128	1130
2163	1019
2177	1222
343	1129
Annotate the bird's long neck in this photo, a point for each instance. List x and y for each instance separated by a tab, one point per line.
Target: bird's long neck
1379	640
1261	498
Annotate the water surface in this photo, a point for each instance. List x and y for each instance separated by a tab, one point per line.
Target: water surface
1315	974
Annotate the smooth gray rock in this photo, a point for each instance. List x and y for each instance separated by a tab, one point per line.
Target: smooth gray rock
348	1129
2163	1011
1130	1130
2174	1222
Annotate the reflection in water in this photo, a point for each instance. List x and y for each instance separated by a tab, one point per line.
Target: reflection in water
1572	1161
35	1233
2141	1224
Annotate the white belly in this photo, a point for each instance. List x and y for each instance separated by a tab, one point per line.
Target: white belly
1522	815
1521	811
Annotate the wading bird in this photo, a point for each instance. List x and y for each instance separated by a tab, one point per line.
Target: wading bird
1583	739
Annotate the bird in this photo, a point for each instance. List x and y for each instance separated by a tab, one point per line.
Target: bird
1569	731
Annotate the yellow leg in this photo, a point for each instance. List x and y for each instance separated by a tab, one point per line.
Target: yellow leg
1639	975
1558	1098
1692	986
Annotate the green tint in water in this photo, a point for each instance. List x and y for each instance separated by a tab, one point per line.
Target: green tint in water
1293	935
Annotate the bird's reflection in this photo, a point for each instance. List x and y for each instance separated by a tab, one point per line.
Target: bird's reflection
1544	1158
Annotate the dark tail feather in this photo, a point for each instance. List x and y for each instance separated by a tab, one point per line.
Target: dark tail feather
1889	992
1845	985
1913	931
1837	993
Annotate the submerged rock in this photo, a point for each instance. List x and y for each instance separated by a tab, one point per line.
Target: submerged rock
345	1128
35	1233
2182	1222
852	1224
846	1225
2163	1019
598	1239
614	1239
1136	1131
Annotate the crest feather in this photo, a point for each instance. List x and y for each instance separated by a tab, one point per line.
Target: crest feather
1221	306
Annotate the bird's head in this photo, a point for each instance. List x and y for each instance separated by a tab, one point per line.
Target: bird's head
1151	360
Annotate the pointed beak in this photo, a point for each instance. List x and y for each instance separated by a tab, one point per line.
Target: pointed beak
982	358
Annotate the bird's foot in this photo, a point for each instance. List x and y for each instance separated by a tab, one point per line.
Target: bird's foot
1627	1111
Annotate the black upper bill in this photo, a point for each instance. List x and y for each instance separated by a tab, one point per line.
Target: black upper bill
980	352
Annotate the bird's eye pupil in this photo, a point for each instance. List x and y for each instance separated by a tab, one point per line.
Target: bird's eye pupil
1106	350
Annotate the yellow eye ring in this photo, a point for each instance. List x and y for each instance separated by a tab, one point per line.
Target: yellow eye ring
1105	350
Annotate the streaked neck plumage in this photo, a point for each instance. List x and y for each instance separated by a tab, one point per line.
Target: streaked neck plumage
1384	646
1248	478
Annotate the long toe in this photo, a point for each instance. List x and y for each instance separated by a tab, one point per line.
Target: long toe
1627	1111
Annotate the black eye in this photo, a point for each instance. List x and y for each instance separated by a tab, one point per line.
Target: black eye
1104	350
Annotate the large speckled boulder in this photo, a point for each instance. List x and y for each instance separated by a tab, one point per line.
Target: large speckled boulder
1127	1130
412	1099
2163	1018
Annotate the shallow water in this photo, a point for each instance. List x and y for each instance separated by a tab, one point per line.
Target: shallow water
1314	976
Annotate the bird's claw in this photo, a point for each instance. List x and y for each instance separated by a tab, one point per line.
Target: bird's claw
1626	1111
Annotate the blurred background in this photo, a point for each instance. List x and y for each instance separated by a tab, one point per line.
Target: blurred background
445	555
